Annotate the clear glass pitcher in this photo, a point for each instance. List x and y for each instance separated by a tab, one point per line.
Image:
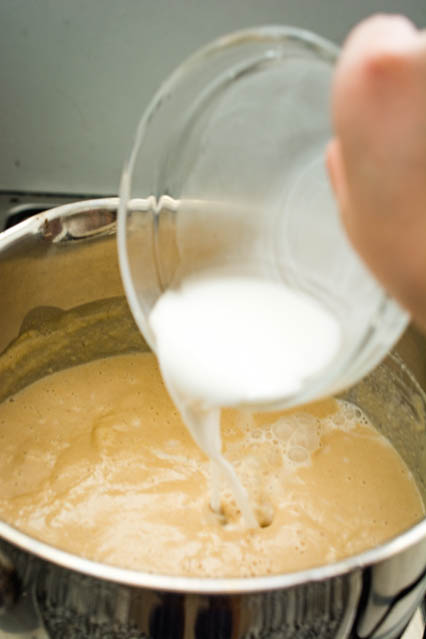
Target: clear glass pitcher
228	172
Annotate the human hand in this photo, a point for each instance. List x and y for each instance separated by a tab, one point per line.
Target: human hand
377	161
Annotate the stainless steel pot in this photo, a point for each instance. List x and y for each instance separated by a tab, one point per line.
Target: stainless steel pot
62	304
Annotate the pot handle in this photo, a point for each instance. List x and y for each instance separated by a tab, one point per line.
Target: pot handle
9	585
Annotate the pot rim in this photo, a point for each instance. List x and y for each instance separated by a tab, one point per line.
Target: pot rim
37	224
209	585
172	583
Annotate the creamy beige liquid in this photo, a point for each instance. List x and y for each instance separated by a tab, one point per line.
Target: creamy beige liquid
96	460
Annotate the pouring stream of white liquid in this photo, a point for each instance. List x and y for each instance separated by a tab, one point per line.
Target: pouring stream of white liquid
236	341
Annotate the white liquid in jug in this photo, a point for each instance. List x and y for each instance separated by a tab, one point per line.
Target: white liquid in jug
236	341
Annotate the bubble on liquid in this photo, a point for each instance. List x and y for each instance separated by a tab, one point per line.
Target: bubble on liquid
348	416
306	437
298	454
272	457
283	428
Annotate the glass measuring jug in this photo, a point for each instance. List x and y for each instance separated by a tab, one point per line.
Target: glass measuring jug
227	174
